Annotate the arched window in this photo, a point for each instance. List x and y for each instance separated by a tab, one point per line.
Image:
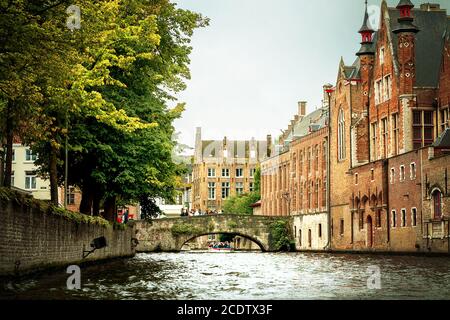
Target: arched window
341	135
437	206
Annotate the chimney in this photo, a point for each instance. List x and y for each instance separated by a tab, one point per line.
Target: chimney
269	145
198	145
430	7
302	108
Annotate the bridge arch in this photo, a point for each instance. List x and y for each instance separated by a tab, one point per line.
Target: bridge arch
253	239
169	235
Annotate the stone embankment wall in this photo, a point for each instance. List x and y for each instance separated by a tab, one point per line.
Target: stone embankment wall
35	236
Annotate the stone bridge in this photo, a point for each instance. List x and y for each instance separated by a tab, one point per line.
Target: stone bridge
169	235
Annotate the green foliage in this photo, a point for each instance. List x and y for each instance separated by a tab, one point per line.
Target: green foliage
105	87
149	209
241	204
279	237
185	229
232	224
47	208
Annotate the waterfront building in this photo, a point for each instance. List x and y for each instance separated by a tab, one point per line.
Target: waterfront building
24	173
294	179
224	168
389	144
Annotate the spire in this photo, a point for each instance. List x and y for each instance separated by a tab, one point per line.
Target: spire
405	20
366	32
365	27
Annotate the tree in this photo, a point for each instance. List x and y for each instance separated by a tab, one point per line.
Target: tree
149	209
241	204
105	88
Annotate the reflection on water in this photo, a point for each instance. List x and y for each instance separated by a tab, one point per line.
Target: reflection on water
245	276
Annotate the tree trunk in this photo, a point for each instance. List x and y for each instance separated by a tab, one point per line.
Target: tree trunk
2	163
86	199
96	204
110	209
53	168
9	145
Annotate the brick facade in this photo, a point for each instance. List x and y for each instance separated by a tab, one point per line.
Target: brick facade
223	169
389	147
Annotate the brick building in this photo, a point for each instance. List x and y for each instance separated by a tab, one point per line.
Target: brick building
389	144
224	168
398	110
294	179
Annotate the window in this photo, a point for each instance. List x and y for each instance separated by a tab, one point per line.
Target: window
225	190
387	88
225	173
402	173
378	91
374	140
310	190
341	135
300	197
414	217
394	218
320	230
239	173
300	165
356	178
30	181
384	136
252	172
324	156
392	175
211	172
324	192
372	174
12	179
13	155
239	188
309	238
378	219
317	158
253	154
341	227
382	55
252	186
395	134
413	173
309	160
437	205
422	129
211	191
29	156
361	220
444	119
403	217
70	196
317	195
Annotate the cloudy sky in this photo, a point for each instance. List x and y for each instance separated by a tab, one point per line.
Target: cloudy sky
258	58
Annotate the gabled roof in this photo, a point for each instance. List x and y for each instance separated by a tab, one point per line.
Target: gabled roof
429	43
443	141
314	121
215	146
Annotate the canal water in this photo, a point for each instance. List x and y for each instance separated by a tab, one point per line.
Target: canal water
247	275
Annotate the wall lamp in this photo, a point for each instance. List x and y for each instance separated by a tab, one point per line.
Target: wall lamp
97	243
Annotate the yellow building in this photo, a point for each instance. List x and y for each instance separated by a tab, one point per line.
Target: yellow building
224	168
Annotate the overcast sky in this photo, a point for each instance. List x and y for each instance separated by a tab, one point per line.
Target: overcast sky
258	58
